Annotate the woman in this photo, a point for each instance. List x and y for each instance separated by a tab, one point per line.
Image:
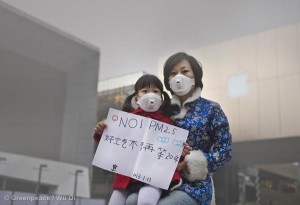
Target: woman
209	135
208	127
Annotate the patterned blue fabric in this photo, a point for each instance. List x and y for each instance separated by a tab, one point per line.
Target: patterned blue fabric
209	132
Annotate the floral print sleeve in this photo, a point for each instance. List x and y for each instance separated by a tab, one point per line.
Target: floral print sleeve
221	150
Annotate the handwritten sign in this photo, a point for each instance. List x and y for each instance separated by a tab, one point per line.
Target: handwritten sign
141	148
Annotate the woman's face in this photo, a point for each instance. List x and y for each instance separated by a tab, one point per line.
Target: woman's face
184	68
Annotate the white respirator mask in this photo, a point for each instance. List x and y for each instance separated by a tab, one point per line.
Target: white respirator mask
150	102
181	84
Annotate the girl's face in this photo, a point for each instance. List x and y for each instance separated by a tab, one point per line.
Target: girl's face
149	99
146	90
184	68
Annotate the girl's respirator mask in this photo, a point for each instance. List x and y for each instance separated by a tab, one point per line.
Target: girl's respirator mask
150	102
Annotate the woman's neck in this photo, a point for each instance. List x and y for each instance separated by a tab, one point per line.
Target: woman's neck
185	97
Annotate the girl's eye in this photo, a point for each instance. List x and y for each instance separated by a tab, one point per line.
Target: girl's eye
185	71
172	73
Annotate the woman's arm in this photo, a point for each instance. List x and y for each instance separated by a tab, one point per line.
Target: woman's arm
198	163
222	147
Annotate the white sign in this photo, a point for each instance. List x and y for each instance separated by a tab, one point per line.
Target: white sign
141	148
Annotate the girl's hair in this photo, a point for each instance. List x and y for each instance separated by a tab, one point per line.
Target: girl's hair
178	57
144	82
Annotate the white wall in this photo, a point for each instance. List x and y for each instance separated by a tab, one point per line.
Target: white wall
46	112
31	106
80	114
271	61
48	90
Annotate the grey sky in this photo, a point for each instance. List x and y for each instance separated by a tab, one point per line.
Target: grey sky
133	34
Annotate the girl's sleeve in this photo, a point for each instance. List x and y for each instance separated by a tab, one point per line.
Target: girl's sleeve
200	163
97	137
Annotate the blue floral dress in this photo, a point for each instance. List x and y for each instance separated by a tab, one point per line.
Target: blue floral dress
208	132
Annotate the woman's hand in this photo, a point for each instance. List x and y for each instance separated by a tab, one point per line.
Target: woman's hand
182	166
100	127
186	149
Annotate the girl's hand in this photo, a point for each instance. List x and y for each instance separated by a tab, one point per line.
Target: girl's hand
100	127
186	149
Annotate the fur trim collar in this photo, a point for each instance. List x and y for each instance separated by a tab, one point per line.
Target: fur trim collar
196	94
183	110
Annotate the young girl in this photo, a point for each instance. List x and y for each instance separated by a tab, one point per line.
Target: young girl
148	100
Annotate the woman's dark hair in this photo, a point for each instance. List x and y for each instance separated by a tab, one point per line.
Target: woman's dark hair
178	57
144	82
